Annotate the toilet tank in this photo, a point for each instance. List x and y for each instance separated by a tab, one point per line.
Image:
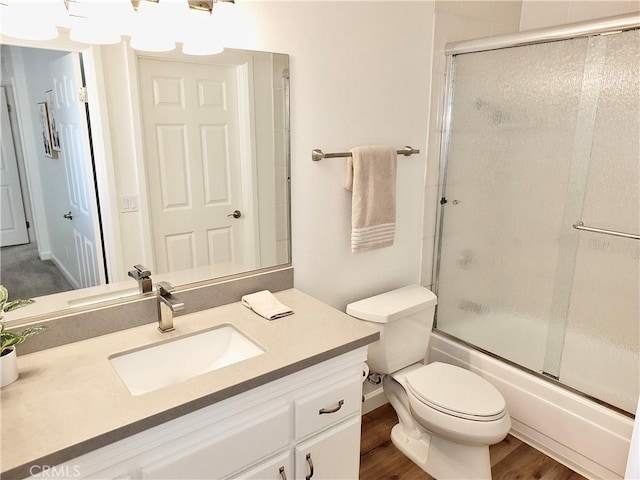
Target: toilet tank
404	318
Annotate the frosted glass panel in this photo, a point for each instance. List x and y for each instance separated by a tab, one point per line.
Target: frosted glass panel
602	342
542	136
511	142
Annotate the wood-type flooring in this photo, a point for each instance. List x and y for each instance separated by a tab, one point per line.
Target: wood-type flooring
511	459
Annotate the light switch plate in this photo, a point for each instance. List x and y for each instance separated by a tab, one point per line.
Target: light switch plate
128	203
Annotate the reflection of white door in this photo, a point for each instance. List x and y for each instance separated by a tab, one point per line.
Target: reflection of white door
194	162
13	225
82	230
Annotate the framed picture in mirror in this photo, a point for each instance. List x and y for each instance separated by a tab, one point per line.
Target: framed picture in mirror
53	126
46	129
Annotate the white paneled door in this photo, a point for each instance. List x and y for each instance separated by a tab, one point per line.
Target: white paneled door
13	225
77	221
197	165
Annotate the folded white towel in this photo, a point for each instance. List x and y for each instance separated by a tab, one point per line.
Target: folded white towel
266	305
371	176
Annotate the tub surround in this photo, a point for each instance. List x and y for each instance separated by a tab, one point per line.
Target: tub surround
69	400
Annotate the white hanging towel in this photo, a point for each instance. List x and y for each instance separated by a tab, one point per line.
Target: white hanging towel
266	305
371	176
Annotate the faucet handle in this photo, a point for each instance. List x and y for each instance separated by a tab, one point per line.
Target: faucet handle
164	287
139	272
142	275
142	270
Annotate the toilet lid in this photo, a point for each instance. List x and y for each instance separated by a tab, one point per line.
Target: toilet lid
456	391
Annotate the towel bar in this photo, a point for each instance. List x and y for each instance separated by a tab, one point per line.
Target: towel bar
582	226
317	154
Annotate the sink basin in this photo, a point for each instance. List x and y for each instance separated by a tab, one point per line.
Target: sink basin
147	369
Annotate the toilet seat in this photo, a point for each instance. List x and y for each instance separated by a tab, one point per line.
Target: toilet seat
452	403
455	391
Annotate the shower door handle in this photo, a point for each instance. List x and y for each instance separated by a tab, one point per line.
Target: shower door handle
582	226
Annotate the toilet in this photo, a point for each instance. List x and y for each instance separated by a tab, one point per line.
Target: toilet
448	416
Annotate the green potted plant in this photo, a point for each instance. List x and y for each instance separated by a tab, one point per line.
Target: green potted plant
9	340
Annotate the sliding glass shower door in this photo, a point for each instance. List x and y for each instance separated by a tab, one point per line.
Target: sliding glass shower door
542	137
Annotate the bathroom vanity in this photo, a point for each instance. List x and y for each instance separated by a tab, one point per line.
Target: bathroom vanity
289	412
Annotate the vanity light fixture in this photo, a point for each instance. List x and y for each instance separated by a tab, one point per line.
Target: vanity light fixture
92	21
17	19
153	25
225	15
203	38
154	29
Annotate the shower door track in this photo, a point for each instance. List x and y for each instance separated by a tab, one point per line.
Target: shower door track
602	26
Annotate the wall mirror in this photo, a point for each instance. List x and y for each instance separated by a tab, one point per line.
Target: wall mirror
117	158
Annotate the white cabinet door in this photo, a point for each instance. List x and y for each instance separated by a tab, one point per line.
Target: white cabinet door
278	468
331	455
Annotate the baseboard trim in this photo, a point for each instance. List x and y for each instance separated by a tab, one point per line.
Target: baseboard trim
65	273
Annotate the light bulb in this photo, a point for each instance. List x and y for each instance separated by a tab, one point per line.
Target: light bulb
202	37
94	32
99	22
230	25
151	33
19	20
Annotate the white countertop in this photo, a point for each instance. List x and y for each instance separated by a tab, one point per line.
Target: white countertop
69	399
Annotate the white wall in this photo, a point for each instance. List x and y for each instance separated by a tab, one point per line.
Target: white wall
360	74
537	14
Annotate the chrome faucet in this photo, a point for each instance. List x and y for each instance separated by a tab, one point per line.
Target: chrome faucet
167	305
143	276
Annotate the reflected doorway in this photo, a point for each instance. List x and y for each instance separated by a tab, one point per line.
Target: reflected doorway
56	178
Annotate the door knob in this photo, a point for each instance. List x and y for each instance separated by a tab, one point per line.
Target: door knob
235	214
68	216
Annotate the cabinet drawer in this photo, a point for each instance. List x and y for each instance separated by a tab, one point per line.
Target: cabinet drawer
225	453
317	411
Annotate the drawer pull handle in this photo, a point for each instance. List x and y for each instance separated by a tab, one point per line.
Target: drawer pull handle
331	410
283	475
310	462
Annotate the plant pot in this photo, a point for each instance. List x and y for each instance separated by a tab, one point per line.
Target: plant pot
8	368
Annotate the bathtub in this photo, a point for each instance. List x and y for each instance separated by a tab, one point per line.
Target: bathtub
589	438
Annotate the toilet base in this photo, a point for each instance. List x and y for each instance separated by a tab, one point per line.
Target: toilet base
443	459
